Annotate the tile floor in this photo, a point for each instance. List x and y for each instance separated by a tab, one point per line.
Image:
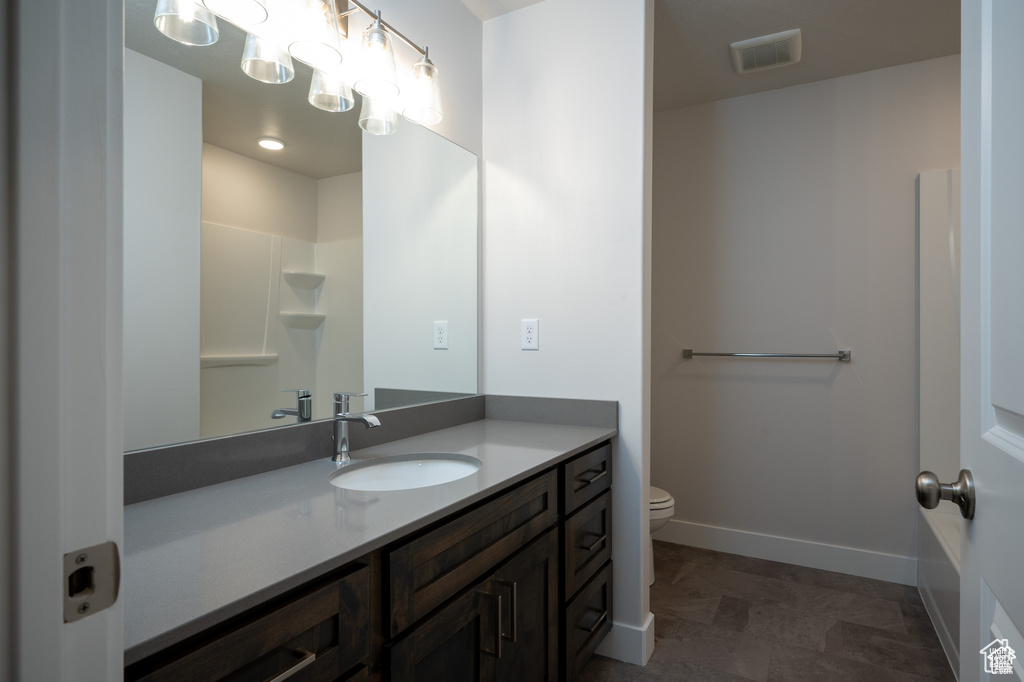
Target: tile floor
722	617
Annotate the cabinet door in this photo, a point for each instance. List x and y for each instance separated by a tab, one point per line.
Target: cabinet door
528	620
459	643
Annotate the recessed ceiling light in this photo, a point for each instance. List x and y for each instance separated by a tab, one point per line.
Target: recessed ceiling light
271	144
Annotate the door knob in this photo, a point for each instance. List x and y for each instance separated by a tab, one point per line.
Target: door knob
960	492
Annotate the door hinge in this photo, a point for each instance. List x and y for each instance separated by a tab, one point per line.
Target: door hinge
92	577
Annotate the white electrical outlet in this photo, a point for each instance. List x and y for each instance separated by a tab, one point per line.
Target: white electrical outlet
530	335
441	335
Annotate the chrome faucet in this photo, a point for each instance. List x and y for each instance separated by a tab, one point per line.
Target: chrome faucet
303	405
341	422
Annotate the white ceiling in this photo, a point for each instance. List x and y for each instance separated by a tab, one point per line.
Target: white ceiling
488	9
840	37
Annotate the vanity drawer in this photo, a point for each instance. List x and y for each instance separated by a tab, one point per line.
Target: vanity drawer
319	632
588	542
587	476
427	571
588	618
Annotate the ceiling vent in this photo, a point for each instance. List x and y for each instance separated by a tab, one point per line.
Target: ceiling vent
766	52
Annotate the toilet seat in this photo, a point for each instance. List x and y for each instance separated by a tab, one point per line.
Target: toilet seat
660	499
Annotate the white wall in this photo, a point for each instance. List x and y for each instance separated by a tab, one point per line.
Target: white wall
419	263
162	166
244	192
339	255
785	221
564	153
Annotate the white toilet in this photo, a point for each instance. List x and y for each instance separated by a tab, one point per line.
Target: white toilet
663	508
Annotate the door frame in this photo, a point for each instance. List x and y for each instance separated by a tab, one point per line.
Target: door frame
64	288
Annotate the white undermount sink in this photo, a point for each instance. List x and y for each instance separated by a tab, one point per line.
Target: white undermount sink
403	472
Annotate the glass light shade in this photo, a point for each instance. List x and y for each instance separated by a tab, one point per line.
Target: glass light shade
423	104
315	33
242	13
377	79
377	117
265	61
330	93
186	21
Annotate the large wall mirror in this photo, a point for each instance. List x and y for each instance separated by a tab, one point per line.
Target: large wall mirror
247	272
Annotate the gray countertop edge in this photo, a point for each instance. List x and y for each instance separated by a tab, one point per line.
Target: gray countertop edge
178	634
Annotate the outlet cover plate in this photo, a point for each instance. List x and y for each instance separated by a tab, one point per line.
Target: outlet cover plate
441	335
530	334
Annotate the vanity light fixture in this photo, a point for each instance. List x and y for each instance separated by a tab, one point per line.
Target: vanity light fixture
377	116
186	21
239	12
378	79
265	61
271	143
315	32
424	104
329	92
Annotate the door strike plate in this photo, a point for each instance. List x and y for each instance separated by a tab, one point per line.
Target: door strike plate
91	580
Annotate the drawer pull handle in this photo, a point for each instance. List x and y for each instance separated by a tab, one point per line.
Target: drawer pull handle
306	659
514	586
597	623
597	476
496	651
594	544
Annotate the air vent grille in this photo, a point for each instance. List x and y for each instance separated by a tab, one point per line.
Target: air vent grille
766	52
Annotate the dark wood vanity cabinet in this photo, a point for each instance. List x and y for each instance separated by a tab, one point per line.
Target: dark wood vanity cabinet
587	556
515	588
503	628
320	632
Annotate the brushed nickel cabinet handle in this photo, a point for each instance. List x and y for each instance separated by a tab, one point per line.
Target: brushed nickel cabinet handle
597	476
514	587
597	623
306	659
595	543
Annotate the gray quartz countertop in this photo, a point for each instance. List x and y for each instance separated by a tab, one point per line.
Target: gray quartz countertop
199	557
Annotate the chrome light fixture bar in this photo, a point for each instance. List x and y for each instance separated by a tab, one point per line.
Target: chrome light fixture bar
312	31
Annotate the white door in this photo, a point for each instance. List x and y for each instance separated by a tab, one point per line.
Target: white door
992	333
66	492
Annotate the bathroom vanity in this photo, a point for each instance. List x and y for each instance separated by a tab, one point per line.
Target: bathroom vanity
503	574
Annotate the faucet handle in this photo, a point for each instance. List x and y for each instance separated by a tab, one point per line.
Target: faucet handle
341	401
299	392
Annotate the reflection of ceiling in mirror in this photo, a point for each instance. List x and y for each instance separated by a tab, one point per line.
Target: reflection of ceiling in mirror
237	110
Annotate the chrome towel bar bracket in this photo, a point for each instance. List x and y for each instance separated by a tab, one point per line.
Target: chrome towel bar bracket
840	356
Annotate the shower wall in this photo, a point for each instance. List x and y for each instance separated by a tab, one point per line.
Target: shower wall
785	222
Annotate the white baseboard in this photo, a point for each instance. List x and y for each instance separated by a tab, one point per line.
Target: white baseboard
861	562
629	643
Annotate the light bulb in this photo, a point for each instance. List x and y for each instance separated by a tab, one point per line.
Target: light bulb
378	64
315	39
424	102
243	13
271	143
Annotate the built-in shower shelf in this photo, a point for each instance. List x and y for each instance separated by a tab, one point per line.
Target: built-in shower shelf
235	360
304	280
303	320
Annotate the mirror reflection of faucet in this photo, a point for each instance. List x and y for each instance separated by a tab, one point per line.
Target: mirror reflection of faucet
303	406
342	417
